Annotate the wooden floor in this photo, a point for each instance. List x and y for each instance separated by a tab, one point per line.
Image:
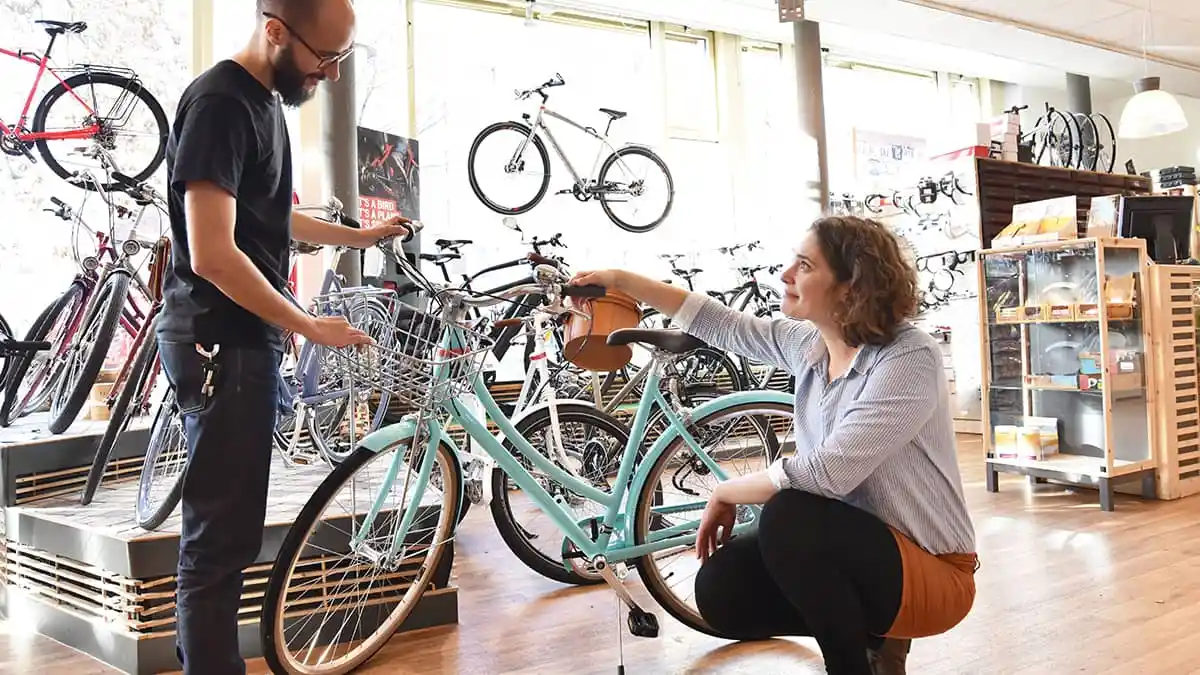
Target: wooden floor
1064	588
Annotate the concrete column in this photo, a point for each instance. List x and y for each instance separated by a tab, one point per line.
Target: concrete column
810	91
1079	94
340	150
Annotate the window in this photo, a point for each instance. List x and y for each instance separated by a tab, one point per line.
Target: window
861	108
462	90
766	194
691	84
151	37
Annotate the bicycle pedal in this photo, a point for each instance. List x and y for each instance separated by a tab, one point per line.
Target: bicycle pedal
643	624
564	192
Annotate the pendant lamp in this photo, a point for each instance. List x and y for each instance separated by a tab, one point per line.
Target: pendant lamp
1151	112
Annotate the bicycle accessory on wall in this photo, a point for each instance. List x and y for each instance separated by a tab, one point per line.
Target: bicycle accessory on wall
927	190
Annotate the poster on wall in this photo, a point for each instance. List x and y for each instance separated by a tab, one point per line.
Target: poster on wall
388	177
880	159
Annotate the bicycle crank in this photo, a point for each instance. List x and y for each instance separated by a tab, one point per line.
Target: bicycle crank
641	623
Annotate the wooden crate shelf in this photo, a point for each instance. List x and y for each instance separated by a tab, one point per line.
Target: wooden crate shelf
1172	288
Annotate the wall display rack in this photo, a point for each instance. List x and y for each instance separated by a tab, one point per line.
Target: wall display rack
1175	331
1068	388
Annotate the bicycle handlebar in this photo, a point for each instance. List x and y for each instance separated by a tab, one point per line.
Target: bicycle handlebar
556	81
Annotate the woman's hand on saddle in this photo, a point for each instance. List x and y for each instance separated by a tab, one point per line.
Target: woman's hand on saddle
716	526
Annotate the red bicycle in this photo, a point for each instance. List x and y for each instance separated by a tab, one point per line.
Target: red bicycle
99	104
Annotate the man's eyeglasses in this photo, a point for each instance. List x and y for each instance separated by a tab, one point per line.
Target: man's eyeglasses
325	59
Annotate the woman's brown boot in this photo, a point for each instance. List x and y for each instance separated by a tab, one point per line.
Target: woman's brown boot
890	657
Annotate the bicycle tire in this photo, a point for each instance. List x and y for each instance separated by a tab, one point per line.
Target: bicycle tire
277	598
6	333
1088	142
1105	138
474	180
650	576
506	524
602	179
71	392
131	85
16	405
143	362
1071	141
150	513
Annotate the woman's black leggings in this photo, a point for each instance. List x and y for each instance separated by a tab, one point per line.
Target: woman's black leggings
817	568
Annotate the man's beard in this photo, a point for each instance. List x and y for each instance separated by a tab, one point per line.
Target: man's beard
290	80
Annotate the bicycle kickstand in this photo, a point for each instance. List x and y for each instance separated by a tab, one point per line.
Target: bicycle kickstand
641	623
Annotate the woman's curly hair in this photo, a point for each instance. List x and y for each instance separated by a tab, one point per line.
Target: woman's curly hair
880	284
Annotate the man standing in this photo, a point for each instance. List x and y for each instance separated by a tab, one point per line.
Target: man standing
229	165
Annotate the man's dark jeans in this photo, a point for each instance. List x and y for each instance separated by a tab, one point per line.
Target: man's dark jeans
224	494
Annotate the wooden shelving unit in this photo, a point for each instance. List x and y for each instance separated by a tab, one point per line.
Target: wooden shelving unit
1063	347
1000	185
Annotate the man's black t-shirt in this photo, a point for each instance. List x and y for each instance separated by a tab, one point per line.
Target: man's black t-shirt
230	131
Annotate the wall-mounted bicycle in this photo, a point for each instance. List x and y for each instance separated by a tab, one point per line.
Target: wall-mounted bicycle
108	107
616	181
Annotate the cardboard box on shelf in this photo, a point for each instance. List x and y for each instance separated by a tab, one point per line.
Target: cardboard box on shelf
1047	434
1006	441
1102	216
1041	221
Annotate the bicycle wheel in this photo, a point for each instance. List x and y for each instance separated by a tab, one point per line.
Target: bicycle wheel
121	108
325	589
507	138
1087	154
592	442
1106	143
130	402
34	376
754	442
6	333
1055	140
161	482
628	183
86	357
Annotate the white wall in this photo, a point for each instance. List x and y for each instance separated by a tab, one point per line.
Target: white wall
1155	153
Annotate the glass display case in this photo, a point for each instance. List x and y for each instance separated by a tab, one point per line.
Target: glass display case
1067	392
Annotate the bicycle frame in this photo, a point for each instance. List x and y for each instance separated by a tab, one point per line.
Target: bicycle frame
614	522
539	123
43	66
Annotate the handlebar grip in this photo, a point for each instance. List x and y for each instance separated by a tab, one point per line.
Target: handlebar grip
414	226
126	181
538	259
58	202
588	291
508	323
350	222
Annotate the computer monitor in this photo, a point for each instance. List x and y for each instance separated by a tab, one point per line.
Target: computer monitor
1164	222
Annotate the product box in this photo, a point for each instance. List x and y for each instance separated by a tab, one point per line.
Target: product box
1006	441
1102	216
1047	436
1036	222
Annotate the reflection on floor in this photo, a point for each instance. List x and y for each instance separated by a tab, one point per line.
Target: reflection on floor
1064	588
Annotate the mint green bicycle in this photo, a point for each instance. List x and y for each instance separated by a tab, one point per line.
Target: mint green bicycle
366	545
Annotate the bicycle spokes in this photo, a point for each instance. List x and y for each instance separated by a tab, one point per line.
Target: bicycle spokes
636	189
509	169
127	133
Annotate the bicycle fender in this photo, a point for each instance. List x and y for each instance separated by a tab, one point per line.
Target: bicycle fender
717	404
387	436
561	404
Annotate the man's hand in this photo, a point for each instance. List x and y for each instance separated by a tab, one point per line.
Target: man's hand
335	331
396	226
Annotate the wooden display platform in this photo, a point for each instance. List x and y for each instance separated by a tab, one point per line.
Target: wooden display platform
37	465
91	579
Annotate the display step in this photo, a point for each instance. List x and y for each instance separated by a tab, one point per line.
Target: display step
90	578
36	464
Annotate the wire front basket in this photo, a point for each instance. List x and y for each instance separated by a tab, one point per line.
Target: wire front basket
408	360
